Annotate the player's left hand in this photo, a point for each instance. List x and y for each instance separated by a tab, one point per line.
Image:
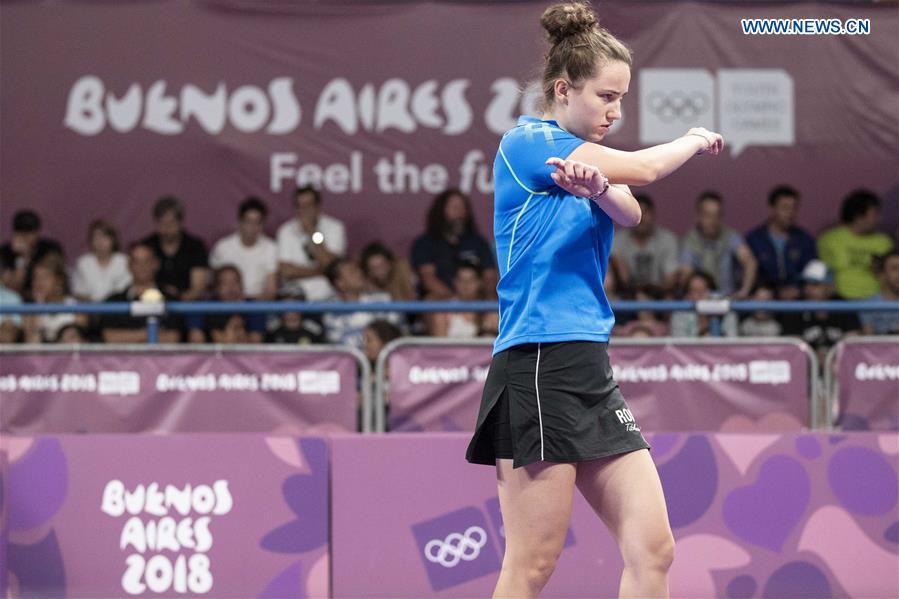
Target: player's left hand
576	178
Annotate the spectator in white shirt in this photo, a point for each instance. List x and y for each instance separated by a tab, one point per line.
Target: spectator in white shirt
249	249
308	244
104	269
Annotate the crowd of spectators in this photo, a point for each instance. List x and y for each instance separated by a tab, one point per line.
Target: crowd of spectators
450	261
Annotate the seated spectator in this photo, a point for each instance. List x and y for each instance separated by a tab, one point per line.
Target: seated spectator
781	248
646	323
10	324
451	238
50	285
645	254
761	323
184	267
226	327
468	286
700	286
718	250
885	323
307	245
348	328
489	324
377	334
384	272
72	334
820	329
848	250
104	269
249	249
295	329
26	248
124	328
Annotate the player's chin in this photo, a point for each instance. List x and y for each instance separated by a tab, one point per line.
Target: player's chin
598	135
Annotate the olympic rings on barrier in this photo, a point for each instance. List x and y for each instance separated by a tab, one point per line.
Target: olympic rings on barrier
678	105
456	547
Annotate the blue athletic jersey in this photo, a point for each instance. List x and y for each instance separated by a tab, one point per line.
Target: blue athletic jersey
552	247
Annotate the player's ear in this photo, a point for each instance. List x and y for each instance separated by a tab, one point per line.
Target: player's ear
562	89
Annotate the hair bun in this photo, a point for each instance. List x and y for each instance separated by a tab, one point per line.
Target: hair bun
568	19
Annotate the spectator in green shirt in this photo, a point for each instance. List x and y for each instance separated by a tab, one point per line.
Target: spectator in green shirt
849	249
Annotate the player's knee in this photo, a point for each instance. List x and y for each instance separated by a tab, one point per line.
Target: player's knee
540	569
650	552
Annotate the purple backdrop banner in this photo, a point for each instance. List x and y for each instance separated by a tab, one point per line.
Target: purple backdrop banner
108	105
229	391
668	386
149	516
868	386
754	516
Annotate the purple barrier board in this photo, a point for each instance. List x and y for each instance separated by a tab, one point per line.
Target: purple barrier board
233	391
668	386
868	386
754	515
178	516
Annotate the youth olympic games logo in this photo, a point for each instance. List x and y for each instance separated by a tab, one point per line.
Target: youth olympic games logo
456	547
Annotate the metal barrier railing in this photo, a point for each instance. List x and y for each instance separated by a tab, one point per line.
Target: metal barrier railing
714	308
815	415
365	374
831	363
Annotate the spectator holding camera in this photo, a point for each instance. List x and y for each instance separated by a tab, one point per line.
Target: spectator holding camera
307	245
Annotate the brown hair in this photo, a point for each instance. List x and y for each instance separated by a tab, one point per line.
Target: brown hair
578	45
107	229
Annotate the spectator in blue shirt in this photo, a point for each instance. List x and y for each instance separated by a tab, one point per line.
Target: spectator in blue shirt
886	322
781	248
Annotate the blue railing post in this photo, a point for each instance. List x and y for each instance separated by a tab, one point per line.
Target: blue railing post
152	330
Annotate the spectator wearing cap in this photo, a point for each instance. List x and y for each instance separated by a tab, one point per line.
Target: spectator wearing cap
451	238
885	323
250	250
25	248
850	248
143	264
307	245
645	254
782	248
184	264
718	250
226	327
819	328
348	328
104	269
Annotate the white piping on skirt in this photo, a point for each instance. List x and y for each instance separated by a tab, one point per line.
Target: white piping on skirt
539	413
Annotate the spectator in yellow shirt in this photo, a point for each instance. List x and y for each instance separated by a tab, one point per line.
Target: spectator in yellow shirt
849	249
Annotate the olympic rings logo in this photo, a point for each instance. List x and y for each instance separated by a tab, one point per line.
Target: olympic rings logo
678	105
456	547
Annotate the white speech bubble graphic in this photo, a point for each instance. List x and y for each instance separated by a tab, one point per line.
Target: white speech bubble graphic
674	100
756	107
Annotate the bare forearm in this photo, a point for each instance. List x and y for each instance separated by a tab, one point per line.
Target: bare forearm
620	205
666	158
